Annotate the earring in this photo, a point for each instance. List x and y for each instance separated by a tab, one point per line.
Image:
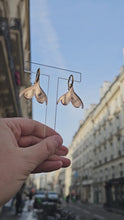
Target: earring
35	90
71	95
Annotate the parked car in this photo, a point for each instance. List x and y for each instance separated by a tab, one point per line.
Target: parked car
39	198
52	196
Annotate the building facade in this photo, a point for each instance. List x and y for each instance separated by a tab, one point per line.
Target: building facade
82	162
98	150
14	50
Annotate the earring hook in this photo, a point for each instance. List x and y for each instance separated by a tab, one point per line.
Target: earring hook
71	78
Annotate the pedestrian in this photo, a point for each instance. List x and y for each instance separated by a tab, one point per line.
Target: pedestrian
19	204
67	198
30	195
23	150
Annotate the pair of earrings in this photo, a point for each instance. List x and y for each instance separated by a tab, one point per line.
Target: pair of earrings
41	97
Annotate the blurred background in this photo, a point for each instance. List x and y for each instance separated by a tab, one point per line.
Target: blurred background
85	37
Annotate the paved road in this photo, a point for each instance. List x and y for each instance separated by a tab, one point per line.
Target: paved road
81	211
92	212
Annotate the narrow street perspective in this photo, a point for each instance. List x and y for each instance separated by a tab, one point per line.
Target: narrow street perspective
71	210
61	110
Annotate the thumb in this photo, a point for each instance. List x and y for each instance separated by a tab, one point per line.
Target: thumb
44	149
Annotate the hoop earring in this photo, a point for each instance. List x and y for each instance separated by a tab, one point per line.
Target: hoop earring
71	96
35	90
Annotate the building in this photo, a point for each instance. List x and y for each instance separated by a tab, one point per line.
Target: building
40	181
68	174
56	185
98	149
61	182
108	148
82	161
14	50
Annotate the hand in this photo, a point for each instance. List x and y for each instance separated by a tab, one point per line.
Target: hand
24	150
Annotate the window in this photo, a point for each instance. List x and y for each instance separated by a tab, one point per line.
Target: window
110	123
105	147
105	159
121	166
106	177
118	137
117	116
111	157
113	175
121	173
95	164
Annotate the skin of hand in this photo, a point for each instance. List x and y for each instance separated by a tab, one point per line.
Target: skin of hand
24	150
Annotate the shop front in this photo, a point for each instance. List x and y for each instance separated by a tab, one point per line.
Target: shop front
87	192
114	189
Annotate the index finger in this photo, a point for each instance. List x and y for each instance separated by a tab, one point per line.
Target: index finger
29	127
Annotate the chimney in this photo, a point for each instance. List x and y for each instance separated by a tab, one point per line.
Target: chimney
104	88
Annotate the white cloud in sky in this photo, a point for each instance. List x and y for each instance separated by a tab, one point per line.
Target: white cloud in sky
48	41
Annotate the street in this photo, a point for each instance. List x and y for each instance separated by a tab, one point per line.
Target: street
9	214
81	211
92	212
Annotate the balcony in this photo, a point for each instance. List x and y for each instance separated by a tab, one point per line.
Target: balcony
110	117
117	111
109	135
17	46
9	100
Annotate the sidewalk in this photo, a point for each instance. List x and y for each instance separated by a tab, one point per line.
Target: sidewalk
109	209
97	206
117	211
9	214
6	213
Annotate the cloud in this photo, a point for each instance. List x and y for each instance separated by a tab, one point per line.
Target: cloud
45	34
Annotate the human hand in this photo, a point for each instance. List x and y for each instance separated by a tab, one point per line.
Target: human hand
24	150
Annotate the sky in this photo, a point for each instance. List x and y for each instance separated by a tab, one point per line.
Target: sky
86	36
